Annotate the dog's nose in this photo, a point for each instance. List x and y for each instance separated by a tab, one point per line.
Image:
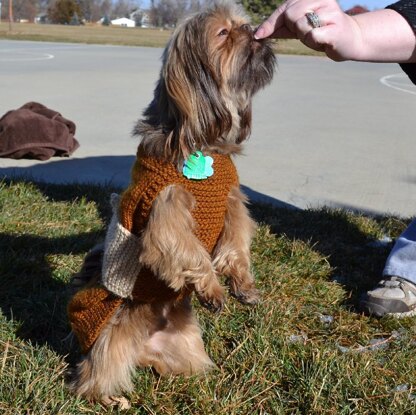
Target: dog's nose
247	28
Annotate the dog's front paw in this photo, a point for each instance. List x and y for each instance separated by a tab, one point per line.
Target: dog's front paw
212	299
246	294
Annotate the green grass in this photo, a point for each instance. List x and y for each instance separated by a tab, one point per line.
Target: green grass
97	34
279	357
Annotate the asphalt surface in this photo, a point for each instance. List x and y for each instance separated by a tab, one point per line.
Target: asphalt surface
324	133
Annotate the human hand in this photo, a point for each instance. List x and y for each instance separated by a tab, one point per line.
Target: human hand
339	35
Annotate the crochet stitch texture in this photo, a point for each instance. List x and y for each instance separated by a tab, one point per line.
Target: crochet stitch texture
91	308
150	176
120	266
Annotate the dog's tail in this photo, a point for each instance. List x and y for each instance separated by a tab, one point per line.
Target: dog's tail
90	272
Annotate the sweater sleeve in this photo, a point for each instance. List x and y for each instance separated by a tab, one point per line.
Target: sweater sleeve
407	8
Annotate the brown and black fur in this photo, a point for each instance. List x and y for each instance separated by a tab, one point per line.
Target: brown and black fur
211	68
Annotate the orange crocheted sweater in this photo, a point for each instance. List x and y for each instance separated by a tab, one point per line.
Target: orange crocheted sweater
91	308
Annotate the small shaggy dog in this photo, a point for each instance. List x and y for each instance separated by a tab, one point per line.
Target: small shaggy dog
182	222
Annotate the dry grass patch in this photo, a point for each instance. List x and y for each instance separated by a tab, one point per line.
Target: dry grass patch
92	34
112	35
306	349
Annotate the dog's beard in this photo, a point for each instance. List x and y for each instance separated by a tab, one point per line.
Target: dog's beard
252	68
203	98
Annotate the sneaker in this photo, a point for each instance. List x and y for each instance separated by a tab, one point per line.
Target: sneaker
393	296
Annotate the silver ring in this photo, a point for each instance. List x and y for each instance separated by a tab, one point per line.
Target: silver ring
313	19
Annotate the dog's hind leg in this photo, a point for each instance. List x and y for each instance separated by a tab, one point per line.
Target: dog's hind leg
106	370
232	253
177	347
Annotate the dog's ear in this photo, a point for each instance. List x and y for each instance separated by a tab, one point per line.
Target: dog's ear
195	102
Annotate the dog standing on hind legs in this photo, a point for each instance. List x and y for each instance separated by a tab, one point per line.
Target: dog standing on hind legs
183	220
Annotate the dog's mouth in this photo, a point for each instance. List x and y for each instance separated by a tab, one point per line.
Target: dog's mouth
259	64
258	42
250	31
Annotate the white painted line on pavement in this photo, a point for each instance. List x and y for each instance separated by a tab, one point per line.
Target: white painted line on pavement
400	82
10	55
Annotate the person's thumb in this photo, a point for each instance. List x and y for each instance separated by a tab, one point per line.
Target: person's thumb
270	25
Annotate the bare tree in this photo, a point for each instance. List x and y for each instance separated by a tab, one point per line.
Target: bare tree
105	8
63	11
167	13
24	10
123	8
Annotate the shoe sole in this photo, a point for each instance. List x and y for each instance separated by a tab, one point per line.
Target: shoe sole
411	313
380	311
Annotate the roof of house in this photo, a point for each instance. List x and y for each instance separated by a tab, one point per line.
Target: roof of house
122	20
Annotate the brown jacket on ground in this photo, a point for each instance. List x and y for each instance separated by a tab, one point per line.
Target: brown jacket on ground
36	132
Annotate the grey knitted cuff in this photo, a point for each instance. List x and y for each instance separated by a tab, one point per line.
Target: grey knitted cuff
121	256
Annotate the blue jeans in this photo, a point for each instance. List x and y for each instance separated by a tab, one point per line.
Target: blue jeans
402	259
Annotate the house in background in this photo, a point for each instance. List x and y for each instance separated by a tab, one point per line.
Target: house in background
123	22
141	17
146	21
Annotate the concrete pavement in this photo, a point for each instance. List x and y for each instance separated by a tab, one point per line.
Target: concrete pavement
324	133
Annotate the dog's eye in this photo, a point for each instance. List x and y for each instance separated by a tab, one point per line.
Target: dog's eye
224	32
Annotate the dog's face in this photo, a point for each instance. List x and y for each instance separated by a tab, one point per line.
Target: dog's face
212	66
241	64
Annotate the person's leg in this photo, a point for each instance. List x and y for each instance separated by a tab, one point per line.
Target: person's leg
402	259
396	293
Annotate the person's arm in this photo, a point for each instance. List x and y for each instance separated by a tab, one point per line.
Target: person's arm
379	36
385	36
407	8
